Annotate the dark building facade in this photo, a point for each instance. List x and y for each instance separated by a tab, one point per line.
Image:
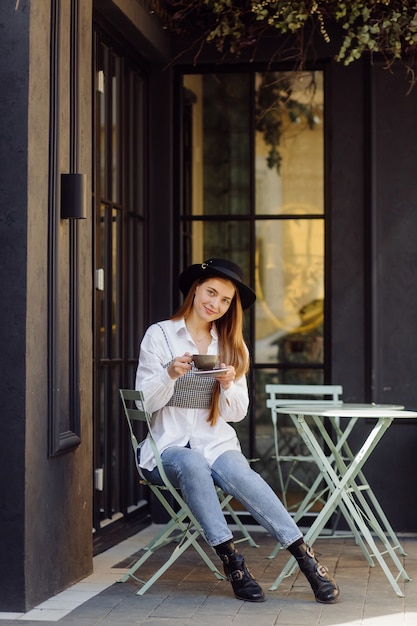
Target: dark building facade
97	90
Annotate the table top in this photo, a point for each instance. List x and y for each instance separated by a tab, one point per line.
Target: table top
348	410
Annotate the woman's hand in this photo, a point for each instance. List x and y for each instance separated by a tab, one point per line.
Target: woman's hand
179	366
228	377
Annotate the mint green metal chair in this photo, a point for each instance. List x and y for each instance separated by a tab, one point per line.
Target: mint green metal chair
182	529
286	395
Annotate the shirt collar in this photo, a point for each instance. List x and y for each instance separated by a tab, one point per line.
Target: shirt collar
180	328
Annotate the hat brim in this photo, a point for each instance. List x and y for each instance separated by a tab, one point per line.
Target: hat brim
197	271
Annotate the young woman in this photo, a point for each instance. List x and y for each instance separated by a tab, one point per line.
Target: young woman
191	414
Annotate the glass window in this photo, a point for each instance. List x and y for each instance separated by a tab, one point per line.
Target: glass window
221	144
289	143
290	290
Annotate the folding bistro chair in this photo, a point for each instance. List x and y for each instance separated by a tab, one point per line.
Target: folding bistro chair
286	444
182	528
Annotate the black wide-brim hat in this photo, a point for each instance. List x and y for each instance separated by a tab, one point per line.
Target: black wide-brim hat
221	268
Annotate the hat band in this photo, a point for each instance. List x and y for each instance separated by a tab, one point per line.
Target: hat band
222	270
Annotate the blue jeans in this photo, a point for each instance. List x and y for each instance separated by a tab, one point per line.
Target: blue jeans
189	471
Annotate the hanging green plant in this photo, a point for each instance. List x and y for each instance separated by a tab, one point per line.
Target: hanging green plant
385	27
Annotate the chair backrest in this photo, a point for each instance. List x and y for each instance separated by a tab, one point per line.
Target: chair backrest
134	414
284	395
139	413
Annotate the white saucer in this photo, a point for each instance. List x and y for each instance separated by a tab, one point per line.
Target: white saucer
217	371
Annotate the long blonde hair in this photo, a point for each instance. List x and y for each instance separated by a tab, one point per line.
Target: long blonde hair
232	348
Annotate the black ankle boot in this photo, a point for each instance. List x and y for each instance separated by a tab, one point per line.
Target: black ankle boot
244	585
323	585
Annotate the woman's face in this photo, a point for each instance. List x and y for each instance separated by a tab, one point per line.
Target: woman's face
213	298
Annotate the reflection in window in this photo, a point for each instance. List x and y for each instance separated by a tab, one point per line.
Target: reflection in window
289	143
289	283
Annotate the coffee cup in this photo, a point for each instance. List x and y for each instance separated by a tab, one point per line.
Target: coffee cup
205	361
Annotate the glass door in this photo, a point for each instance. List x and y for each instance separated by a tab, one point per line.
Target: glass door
254	193
120	269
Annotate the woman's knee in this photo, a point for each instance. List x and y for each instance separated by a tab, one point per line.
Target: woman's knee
186	461
232	472
233	463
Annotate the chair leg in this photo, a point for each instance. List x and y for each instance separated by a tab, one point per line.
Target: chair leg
191	540
187	535
161	539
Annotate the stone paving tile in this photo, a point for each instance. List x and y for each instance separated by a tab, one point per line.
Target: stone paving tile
367	598
189	595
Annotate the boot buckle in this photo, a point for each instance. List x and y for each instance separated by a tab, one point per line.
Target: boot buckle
322	570
236	575
310	552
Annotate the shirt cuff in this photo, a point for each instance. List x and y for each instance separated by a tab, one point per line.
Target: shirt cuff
227	393
166	378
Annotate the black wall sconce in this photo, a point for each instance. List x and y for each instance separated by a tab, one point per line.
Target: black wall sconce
73	196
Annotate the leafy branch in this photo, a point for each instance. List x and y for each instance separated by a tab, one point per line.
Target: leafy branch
384	27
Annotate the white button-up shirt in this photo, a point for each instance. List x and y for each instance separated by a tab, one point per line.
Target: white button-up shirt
174	426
